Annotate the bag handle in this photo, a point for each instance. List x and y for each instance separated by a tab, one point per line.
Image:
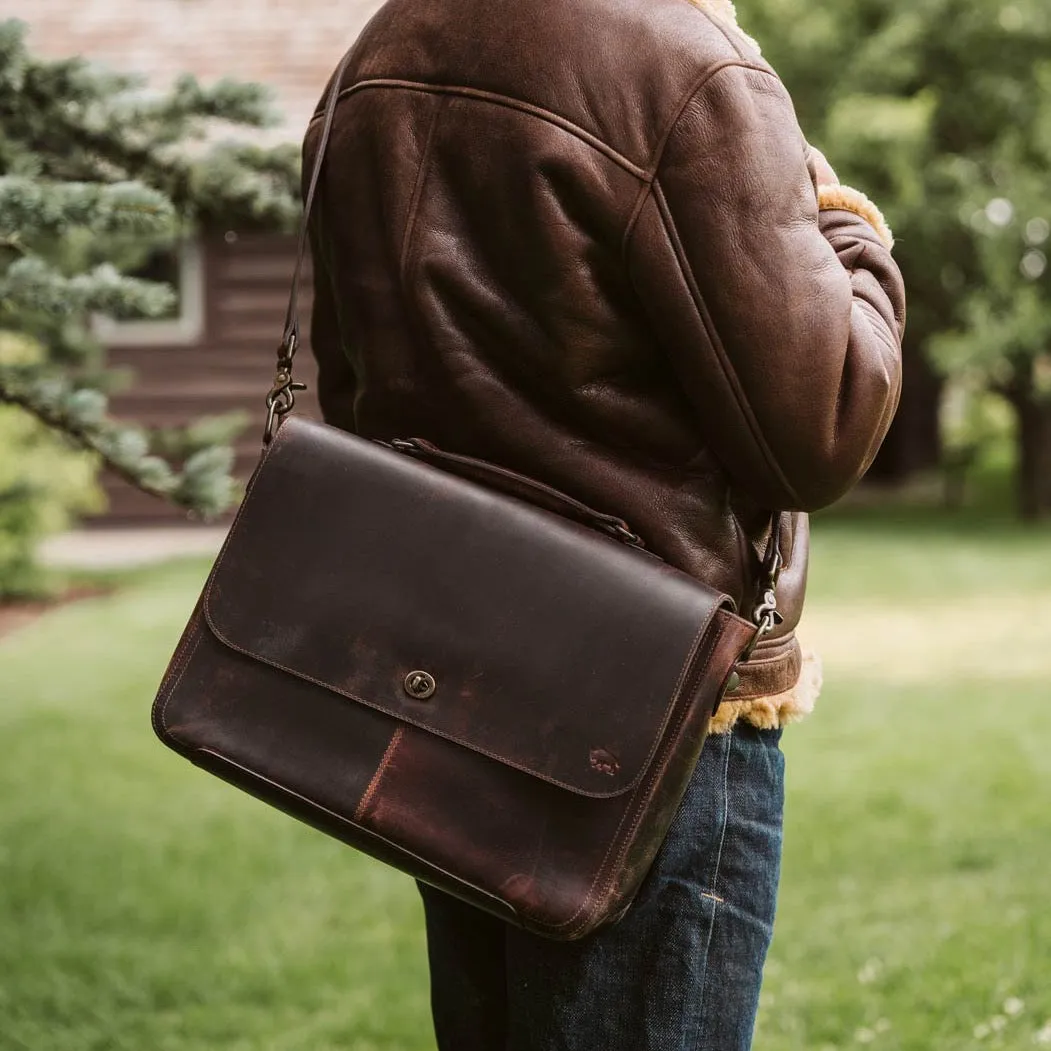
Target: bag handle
282	397
520	485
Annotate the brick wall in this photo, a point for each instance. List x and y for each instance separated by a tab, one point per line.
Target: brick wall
292	45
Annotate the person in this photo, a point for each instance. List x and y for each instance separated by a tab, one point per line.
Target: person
588	241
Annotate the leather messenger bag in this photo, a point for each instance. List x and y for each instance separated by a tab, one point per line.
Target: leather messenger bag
449	666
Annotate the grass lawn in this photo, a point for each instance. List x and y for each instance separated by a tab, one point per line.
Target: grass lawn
144	906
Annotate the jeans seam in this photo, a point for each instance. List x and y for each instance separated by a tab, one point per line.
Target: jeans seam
713	897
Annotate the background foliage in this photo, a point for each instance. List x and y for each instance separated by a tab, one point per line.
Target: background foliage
941	110
43	483
95	171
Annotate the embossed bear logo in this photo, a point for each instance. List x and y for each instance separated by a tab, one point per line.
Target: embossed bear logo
604	762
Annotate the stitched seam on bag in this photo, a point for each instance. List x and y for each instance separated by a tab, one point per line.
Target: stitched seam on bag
639	810
175	670
175	684
180	655
367	831
377	777
714	341
446	735
202	616
658	737
496	99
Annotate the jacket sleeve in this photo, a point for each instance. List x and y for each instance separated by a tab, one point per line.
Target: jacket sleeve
783	321
336	382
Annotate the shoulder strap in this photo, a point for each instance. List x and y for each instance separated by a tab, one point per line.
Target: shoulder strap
282	395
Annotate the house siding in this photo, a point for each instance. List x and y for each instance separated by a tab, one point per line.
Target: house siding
230	368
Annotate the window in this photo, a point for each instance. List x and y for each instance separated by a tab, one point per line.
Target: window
182	267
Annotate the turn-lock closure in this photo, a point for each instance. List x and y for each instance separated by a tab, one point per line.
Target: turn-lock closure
420	685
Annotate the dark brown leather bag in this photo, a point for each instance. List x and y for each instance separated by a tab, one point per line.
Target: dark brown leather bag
451	667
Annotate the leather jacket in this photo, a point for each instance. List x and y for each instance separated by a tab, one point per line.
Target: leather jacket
582	239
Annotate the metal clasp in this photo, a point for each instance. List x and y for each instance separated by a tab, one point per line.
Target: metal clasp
282	395
621	531
765	614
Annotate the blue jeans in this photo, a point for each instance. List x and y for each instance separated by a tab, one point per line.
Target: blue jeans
680	972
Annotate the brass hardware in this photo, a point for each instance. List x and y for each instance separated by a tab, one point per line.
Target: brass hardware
765	616
420	685
732	683
282	395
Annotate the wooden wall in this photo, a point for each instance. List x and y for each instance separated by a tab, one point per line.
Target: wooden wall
246	278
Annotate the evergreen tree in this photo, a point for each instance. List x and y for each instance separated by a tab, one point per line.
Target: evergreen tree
95	170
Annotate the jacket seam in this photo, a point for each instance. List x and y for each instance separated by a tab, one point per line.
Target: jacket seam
725	366
691	93
496	99
657	157
417	189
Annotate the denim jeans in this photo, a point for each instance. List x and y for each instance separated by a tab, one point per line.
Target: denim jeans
680	972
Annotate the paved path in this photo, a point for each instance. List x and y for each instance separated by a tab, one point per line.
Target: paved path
114	548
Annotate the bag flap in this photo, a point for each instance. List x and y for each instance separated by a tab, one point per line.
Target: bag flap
553	648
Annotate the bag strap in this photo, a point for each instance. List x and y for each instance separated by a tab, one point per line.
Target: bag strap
282	395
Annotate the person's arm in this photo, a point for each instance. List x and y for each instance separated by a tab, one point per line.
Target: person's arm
784	323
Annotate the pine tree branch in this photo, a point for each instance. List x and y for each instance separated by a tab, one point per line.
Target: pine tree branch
80	435
179	489
32	283
48	207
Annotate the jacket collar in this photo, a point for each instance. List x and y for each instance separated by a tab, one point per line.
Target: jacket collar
723	9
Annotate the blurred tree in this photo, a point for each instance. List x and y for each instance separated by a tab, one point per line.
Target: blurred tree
941	110
95	171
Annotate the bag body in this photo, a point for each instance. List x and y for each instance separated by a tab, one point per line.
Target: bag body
492	697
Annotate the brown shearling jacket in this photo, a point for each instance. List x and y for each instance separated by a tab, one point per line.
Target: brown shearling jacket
582	239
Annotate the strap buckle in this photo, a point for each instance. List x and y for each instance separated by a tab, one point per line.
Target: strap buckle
281	397
765	615
624	533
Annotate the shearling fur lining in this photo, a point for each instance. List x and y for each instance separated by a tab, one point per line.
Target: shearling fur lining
851	200
724	10
719	8
771	713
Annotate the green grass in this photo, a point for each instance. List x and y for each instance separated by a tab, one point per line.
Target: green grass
918	845
144	906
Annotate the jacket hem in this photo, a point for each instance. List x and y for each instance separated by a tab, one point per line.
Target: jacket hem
778	711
